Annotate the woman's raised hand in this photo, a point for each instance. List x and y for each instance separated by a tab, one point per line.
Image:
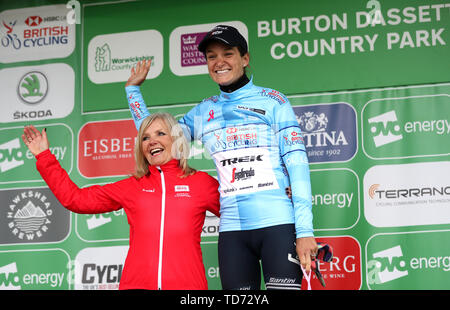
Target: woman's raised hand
138	74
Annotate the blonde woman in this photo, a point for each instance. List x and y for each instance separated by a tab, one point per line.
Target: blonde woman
165	202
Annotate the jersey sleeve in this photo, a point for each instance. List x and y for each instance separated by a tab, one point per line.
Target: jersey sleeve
89	200
136	104
139	111
293	154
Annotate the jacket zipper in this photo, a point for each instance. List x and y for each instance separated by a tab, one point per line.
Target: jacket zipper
161	232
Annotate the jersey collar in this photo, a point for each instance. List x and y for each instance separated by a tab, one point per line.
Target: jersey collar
238	93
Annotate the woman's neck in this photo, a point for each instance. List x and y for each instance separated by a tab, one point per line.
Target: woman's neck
236	85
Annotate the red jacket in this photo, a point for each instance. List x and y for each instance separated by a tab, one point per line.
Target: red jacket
165	213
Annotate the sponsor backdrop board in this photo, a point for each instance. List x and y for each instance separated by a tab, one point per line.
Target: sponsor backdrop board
369	82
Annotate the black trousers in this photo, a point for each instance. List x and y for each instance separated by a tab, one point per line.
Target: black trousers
240	253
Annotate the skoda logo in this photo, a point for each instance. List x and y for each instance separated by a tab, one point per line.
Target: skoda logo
33	87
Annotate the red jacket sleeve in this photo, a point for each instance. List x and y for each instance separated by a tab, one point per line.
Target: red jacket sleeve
93	199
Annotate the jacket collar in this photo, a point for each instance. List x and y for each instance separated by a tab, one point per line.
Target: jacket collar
172	166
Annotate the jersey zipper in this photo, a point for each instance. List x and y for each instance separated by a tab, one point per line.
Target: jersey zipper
161	232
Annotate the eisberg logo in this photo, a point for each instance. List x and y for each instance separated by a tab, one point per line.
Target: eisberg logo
106	148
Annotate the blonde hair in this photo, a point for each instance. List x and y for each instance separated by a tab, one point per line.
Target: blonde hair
180	146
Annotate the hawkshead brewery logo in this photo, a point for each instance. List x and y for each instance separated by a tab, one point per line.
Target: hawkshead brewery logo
32	215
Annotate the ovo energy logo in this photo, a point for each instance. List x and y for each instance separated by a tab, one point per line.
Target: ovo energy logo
33	269
8	277
385	128
416	126
413	260
11	155
386	266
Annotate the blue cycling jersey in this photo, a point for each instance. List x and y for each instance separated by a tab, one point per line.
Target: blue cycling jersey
256	143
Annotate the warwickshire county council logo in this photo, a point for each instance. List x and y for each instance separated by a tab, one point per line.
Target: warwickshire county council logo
103	58
32	87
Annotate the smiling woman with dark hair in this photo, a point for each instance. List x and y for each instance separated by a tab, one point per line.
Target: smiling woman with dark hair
253	136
